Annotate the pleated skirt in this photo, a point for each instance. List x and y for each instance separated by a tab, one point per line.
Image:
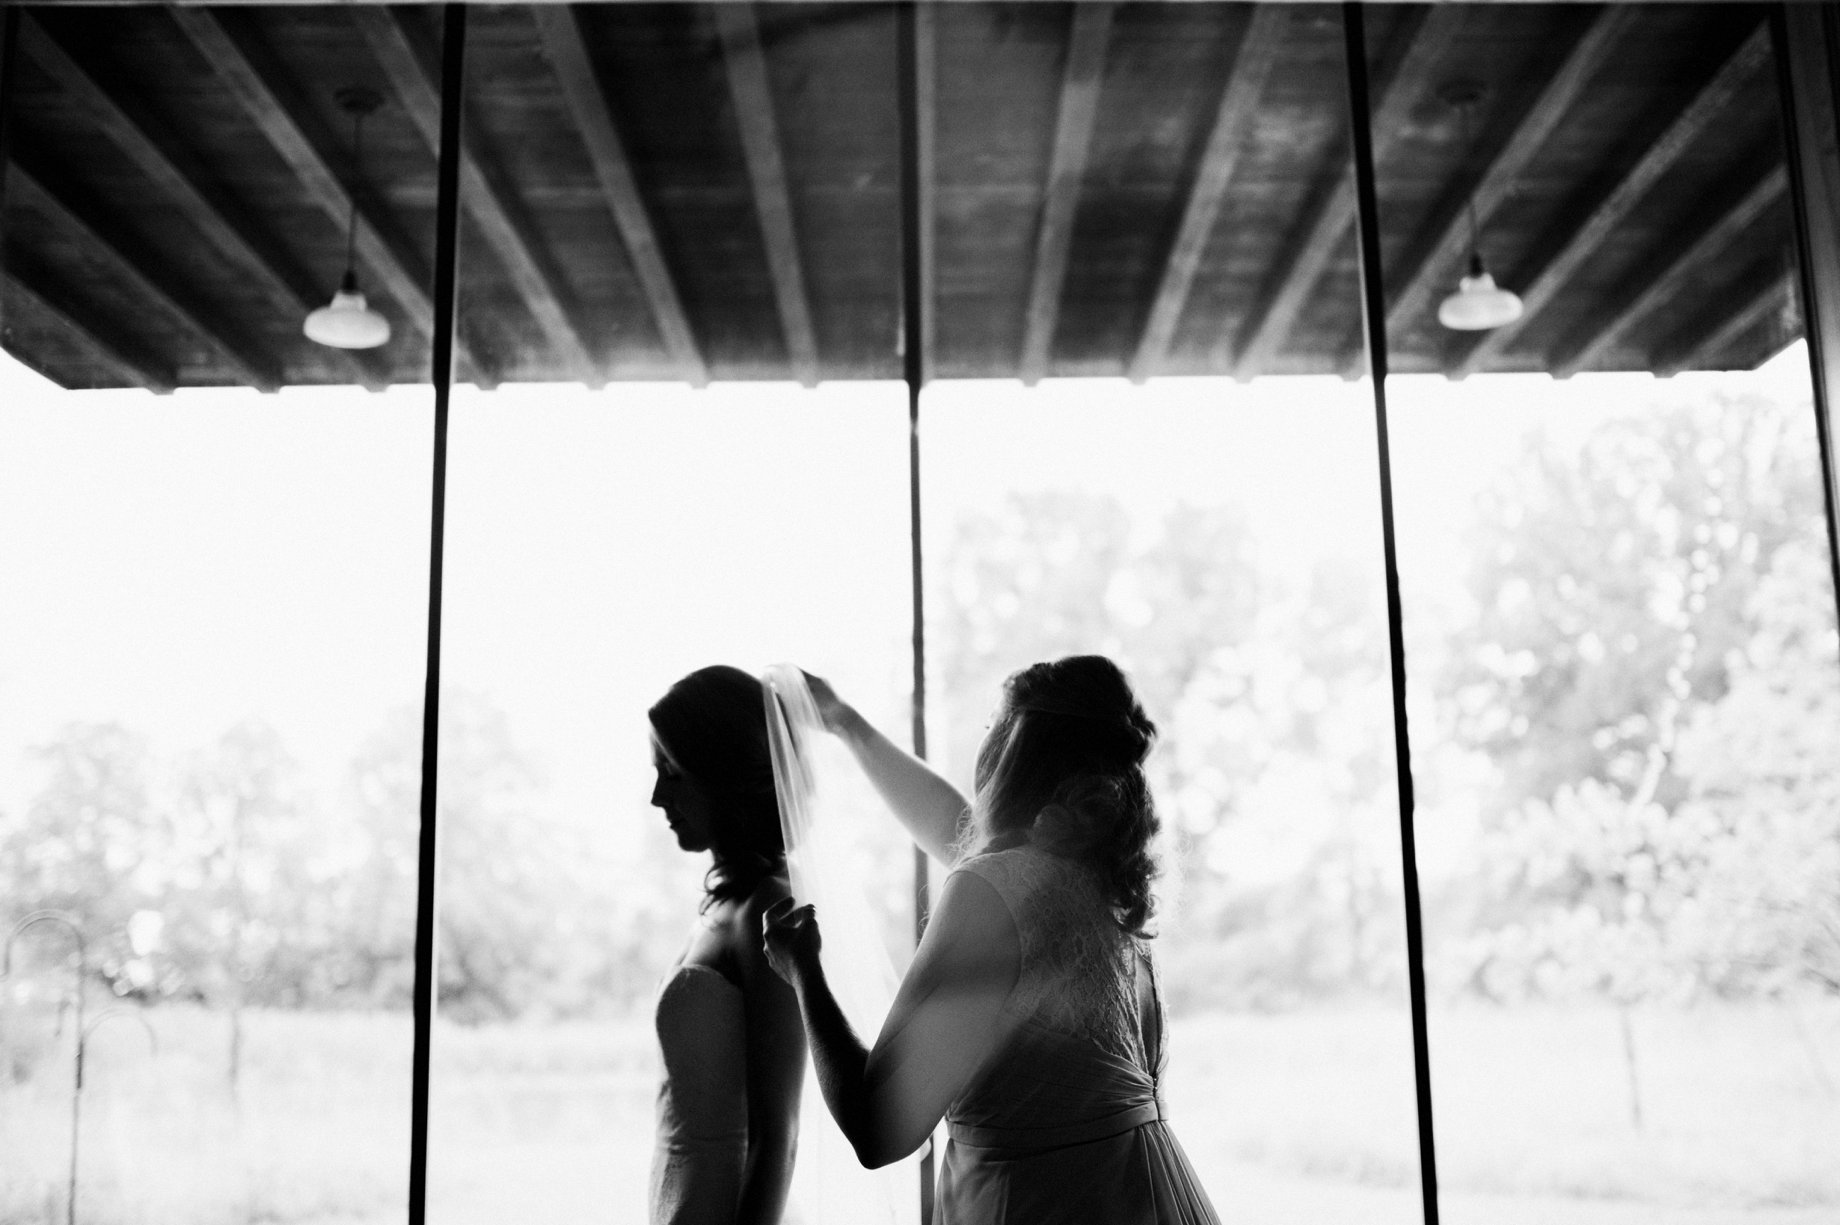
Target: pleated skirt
1136	1177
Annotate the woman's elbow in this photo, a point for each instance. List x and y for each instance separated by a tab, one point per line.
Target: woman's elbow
876	1151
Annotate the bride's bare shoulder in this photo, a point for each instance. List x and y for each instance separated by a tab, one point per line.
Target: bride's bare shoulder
738	924
771	889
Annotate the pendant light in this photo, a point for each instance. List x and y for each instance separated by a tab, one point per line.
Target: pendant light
1479	304
348	322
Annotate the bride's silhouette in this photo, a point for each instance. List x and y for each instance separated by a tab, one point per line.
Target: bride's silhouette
734	1050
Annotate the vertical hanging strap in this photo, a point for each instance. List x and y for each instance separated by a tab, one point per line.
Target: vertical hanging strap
912	354
447	213
1373	310
9	73
913	337
1808	89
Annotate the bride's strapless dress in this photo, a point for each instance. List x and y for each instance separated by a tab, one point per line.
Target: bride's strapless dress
702	1101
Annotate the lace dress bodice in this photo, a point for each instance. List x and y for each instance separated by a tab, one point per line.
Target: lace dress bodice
1079	969
1076	1049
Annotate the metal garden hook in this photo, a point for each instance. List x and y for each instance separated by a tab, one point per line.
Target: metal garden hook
82	968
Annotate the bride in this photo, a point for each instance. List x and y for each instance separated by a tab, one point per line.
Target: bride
728	1026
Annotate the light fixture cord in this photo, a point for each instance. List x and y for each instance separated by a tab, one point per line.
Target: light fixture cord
1475	230
357	175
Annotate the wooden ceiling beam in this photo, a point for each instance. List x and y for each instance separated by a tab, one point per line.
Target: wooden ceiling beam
1601	216
147	277
1725	324
561	32
1433	262
127	363
1082	77
1333	212
486	195
252	75
746	62
1665	280
220	220
1246	70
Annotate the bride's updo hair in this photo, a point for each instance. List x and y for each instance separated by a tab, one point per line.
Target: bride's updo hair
1063	768
714	724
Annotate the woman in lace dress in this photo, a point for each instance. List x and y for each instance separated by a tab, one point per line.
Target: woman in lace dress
1030	1018
728	1027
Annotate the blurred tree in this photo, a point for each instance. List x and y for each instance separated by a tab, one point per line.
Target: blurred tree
1266	700
1654	669
541	913
92	843
1612	580
233	885
508	878
1762	767
1059	573
236	918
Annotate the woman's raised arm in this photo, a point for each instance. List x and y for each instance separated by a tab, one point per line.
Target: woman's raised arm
930	807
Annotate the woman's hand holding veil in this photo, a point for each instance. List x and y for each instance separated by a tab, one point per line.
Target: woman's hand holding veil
836	713
790	935
930	807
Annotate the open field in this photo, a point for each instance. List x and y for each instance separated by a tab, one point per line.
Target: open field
1290	1118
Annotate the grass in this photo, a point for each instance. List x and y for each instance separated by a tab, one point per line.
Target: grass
1740	1118
1288	1117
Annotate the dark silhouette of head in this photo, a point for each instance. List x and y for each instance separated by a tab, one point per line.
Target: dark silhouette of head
1063	768
711	727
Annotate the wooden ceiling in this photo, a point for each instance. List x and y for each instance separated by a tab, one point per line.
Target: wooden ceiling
694	191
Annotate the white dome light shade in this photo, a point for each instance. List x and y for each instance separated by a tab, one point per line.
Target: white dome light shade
1478	304
348	322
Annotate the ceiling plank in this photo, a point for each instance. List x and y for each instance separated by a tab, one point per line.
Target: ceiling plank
149	278
561	31
1418	275
1318	240
488	198
753	96
1727	322
220	220
1600	218
129	365
274	104
1247	70
1082	77
1662	283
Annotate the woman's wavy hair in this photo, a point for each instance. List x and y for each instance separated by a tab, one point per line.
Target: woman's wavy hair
1063	768
714	725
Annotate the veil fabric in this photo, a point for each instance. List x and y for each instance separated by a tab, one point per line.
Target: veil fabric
825	805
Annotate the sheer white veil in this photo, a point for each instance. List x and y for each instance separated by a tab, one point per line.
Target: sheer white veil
824	804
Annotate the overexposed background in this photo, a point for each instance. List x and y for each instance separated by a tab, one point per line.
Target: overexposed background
216	582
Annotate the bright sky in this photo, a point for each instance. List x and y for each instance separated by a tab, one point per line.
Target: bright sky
181	563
